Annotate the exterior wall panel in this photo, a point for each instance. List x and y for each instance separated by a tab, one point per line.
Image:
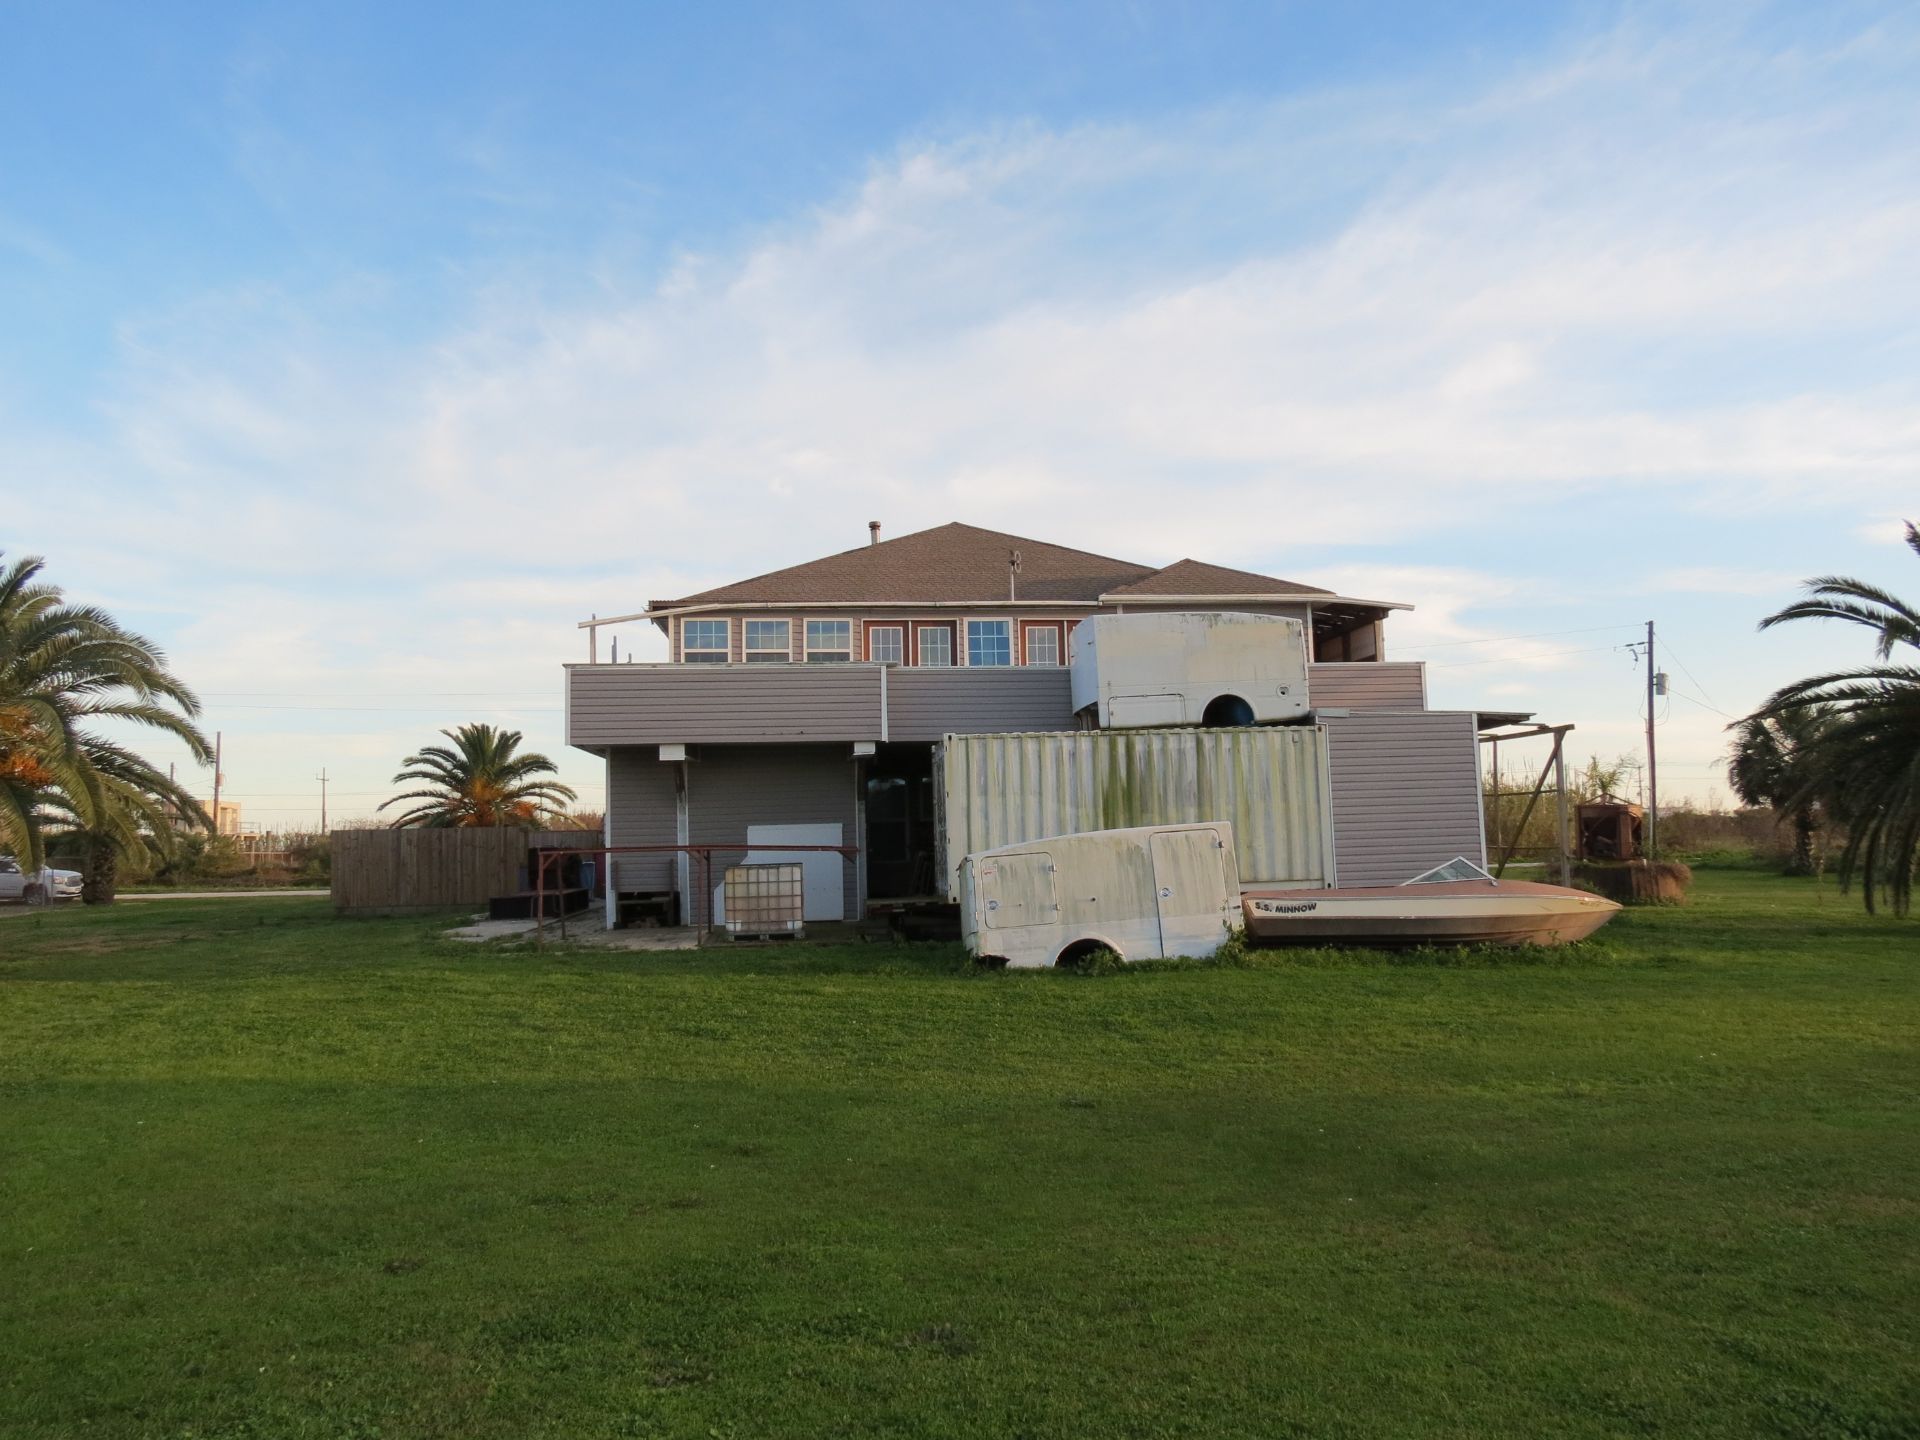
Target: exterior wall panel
1406	794
612	705
740	704
1368	685
732	788
641	800
926	704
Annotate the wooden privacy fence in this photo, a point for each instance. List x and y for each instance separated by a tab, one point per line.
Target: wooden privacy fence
385	872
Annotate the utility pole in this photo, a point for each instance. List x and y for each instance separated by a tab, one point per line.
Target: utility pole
216	782
1653	771
323	799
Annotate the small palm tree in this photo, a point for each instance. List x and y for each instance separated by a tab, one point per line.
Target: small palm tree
480	781
1866	758
1775	763
61	666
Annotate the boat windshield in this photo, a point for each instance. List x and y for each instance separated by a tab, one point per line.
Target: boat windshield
1458	868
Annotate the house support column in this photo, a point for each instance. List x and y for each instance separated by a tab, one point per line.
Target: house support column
682	829
612	904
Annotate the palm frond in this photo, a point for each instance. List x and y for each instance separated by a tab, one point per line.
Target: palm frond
1858	602
1863	763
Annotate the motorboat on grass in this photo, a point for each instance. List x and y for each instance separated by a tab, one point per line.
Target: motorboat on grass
1453	904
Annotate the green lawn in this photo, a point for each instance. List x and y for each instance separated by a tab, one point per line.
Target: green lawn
268	1174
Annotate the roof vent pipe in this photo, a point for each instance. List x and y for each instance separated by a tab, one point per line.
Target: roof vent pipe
873	532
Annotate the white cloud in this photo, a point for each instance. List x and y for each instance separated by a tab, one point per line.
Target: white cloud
1722	580
1358	319
961	335
1888	530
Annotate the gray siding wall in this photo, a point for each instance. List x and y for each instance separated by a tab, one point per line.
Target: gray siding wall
926	704
613	705
730	789
1368	684
1406	794
641	810
721	704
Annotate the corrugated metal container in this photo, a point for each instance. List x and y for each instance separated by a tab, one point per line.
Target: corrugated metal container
1268	782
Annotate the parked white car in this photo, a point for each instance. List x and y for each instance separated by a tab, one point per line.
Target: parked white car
36	888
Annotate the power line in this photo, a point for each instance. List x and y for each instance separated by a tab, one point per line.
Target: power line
1512	659
1694	700
350	794
1696	680
1497	639
379	694
392	709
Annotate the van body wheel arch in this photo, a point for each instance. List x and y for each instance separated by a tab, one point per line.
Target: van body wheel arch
1079	949
1227	710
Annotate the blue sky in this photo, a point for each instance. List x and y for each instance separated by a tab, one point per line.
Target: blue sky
355	352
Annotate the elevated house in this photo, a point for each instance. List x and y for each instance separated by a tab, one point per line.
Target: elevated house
805	705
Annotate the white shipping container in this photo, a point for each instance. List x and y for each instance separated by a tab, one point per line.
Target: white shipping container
1145	893
1190	668
1269	783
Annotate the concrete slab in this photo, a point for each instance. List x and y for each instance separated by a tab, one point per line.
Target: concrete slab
644	937
482	930
582	931
308	894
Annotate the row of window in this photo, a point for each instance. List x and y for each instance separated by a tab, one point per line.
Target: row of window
988	642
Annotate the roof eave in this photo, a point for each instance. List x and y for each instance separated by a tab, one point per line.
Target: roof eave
1300	597
658	613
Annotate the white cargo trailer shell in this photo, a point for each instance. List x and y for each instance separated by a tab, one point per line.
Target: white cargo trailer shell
1206	667
1269	783
1145	893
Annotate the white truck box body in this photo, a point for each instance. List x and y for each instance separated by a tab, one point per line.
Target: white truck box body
1145	893
1190	668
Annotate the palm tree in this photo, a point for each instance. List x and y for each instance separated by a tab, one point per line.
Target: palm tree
1866	760
1775	763
61	666
134	816
479	781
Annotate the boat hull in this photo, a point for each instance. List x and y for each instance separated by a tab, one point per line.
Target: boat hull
1467	912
